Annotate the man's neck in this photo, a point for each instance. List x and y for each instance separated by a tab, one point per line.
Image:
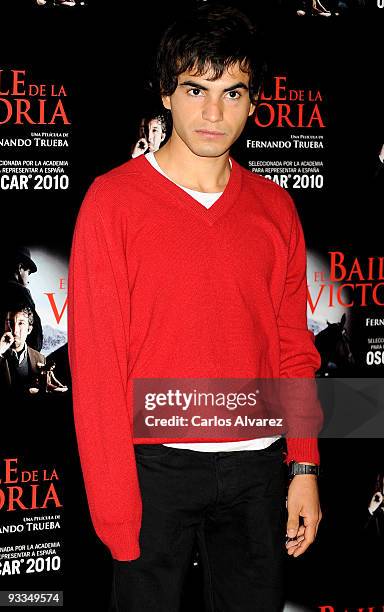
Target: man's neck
206	174
20	349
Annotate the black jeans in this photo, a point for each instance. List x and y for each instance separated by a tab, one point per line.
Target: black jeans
234	504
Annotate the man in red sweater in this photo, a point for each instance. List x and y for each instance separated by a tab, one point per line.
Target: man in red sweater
204	276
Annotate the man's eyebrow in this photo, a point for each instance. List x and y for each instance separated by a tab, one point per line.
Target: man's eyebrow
239	85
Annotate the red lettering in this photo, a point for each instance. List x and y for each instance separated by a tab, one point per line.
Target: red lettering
54	307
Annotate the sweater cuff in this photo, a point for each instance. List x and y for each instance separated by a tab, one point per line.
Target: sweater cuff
122	539
302	449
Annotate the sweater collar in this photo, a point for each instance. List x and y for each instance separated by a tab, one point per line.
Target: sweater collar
182	198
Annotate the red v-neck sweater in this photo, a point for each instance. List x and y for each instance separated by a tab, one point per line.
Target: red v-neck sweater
161	287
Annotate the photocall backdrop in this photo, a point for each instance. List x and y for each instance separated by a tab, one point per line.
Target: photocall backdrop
75	102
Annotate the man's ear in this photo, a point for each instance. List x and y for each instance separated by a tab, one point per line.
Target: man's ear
251	109
166	102
30	328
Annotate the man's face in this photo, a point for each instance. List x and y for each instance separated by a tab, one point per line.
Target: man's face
24	275
18	324
209	116
155	134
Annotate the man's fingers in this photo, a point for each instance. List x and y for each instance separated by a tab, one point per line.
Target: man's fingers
292	525
293	548
293	543
309	537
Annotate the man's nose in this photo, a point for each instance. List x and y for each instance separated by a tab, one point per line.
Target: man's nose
213	111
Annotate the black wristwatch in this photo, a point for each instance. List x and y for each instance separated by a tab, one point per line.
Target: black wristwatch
295	468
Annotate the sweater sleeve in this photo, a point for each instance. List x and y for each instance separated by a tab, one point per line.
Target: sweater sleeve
98	333
299	358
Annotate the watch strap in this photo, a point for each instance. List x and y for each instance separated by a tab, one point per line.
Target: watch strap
302	468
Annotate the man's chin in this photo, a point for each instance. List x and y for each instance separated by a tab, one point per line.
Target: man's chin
209	151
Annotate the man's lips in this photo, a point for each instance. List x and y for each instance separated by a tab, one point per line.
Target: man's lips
210	133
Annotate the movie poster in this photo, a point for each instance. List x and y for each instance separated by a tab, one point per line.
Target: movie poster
37	197
75	101
312	136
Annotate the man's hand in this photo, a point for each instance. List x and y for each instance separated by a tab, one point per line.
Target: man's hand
303	500
140	147
375	502
6	342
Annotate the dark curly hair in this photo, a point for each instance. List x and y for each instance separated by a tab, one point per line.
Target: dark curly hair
24	309
210	37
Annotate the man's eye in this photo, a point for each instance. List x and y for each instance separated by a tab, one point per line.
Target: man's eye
235	96
194	91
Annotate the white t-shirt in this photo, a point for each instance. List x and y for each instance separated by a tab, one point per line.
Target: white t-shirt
207	199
